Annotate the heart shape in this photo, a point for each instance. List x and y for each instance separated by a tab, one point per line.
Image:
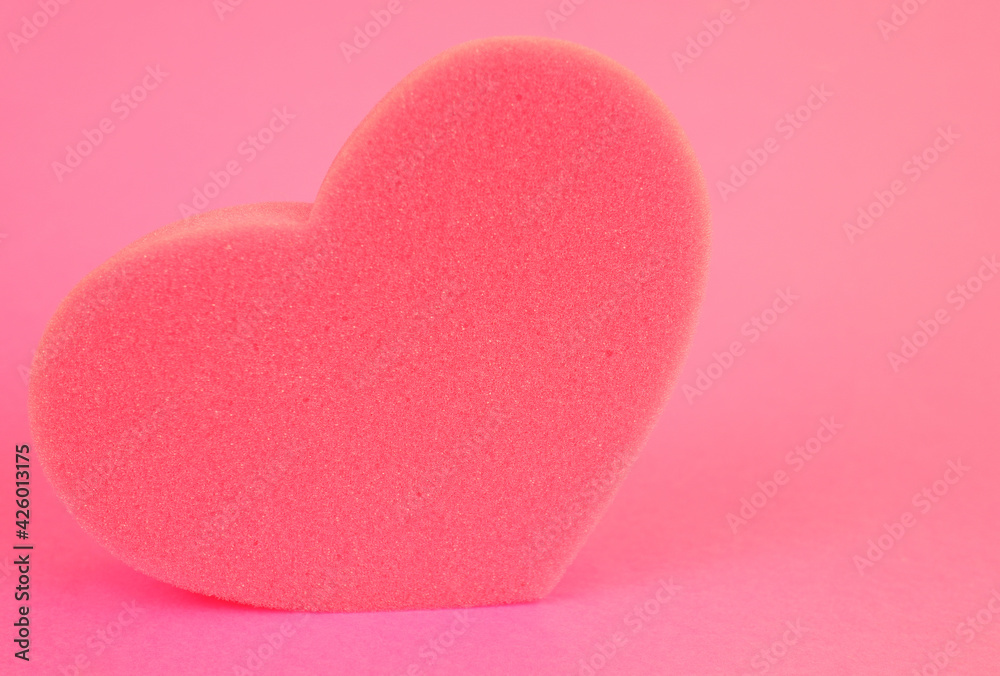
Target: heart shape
420	391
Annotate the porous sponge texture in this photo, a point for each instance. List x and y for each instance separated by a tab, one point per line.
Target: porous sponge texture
423	390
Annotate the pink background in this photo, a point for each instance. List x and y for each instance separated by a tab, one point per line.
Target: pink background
797	560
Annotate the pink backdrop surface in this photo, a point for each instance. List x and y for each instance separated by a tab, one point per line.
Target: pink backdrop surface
820	495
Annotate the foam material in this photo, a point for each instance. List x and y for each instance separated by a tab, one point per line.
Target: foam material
420	391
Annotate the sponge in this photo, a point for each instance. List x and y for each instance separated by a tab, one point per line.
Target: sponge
420	391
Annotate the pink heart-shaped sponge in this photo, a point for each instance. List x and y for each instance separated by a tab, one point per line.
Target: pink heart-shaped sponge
420	391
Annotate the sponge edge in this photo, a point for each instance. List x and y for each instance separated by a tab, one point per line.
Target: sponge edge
58	387
422	391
